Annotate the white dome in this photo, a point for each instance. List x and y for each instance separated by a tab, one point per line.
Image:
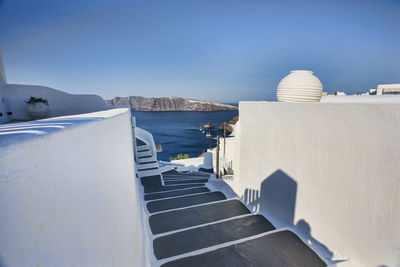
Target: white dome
299	86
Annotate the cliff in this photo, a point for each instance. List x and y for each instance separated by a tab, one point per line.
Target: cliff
167	104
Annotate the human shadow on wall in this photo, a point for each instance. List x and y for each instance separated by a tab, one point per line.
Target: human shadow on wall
277	199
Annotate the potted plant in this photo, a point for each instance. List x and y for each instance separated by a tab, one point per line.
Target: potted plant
37	107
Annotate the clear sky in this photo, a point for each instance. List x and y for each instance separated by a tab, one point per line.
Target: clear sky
222	50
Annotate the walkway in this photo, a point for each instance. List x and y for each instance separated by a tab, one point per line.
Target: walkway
195	226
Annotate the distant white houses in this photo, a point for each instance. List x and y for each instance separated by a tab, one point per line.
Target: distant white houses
381	89
338	93
386	89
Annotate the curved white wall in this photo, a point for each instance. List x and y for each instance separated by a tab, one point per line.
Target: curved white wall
68	194
148	139
61	103
329	170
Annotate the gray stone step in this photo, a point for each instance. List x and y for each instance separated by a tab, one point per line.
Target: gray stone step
144	154
147	169
140	142
188	217
155	189
148	162
151	181
192	181
282	248
176	193
210	235
152	184
184	201
178	178
177	175
144	157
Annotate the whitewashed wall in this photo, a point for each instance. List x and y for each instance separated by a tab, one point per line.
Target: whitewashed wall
330	171
61	103
3	101
189	162
68	194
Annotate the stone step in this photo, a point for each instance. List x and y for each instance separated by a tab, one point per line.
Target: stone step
210	235
151	181
176	174
140	143
147	168
283	248
149	165
144	154
146	159
178	178
176	193
192	181
155	189
192	216
184	201
148	172
147	162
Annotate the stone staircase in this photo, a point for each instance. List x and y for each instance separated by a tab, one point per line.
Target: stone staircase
193	225
147	161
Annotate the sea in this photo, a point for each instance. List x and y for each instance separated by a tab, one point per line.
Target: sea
179	132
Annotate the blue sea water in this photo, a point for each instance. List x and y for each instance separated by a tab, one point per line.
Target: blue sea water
179	132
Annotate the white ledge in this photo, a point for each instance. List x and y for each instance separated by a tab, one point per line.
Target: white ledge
13	133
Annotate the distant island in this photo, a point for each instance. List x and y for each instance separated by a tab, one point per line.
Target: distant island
168	104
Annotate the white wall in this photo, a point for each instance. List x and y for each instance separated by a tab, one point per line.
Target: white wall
68	194
3	104
3	101
190	162
61	103
329	170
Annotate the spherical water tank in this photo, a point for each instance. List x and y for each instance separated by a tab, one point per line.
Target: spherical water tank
299	86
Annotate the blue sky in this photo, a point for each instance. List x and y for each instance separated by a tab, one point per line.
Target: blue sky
205	49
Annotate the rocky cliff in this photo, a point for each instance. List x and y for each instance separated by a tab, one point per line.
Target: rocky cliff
167	104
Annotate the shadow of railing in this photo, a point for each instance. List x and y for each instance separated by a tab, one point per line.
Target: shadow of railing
277	198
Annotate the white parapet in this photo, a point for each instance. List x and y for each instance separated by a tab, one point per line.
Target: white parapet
67	192
60	103
371	99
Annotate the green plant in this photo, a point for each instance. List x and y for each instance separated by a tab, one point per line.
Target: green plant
34	100
180	156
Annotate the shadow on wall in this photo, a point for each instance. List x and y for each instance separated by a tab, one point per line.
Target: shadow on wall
277	198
